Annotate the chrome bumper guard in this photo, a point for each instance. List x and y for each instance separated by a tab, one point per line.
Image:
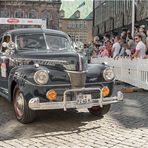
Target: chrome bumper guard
35	104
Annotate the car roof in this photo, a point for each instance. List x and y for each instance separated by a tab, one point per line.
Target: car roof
35	30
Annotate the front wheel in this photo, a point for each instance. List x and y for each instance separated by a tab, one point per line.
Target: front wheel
22	111
99	111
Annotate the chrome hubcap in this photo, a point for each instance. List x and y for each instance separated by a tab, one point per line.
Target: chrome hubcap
19	104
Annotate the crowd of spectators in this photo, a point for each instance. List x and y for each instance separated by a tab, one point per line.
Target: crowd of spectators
123	45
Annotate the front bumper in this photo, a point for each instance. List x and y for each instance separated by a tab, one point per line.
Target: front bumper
35	104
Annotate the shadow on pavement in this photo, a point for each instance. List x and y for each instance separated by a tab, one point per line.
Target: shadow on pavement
133	112
46	122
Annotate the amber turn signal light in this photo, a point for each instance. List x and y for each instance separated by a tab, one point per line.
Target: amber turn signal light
105	91
51	95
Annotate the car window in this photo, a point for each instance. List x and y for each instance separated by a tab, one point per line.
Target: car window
52	43
57	43
31	41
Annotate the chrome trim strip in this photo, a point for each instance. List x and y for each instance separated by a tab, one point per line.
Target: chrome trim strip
4	89
4	95
40	61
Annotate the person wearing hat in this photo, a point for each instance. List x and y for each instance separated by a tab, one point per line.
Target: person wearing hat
142	33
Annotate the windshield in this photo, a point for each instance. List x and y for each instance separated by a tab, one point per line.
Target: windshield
57	42
40	42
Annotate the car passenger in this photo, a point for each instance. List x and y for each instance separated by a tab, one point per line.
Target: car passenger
5	43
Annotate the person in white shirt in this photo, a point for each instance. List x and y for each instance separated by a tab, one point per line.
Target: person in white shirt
116	47
140	47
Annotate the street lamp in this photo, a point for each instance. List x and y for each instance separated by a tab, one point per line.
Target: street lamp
133	17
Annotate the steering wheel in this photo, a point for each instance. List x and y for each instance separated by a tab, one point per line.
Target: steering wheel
32	44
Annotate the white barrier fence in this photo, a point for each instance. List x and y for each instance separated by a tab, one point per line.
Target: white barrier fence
134	72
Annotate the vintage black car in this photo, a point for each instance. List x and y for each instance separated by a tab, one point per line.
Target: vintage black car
40	70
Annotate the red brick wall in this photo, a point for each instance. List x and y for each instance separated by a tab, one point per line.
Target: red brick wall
51	8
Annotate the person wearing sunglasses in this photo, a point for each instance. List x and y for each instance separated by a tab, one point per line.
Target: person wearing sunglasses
140	47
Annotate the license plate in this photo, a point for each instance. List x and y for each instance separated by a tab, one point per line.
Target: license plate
83	99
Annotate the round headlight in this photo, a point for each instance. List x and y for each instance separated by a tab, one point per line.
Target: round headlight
41	77
108	74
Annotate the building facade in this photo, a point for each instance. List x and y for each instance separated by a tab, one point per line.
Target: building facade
76	19
35	9
113	15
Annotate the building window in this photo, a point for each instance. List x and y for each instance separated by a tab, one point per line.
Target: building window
5	12
19	14
45	14
33	14
77	14
78	36
51	16
71	34
72	25
26	15
84	24
77	24
83	37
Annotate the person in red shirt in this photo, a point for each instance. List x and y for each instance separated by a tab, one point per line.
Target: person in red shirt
104	52
108	46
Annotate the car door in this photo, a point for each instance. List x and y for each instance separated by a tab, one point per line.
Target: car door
3	71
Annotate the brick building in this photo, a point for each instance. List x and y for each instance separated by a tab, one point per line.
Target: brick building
36	9
113	15
76	18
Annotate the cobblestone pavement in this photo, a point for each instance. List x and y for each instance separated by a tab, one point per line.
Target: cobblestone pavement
126	125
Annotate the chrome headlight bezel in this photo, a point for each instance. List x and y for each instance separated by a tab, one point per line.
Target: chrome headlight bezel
108	74
41	73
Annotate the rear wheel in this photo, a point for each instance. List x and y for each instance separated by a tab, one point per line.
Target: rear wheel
99	111
22	111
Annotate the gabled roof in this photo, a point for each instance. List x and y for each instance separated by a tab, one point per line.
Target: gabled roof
71	6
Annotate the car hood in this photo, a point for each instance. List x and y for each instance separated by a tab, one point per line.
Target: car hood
69	60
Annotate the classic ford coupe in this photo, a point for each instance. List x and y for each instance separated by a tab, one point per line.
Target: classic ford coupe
40	70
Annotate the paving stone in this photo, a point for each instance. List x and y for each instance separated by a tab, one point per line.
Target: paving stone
4	144
125	126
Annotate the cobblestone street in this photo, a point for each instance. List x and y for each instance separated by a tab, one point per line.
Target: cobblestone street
126	125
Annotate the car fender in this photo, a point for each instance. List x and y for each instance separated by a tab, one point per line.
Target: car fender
95	71
19	75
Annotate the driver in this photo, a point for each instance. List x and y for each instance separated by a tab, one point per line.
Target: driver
21	42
